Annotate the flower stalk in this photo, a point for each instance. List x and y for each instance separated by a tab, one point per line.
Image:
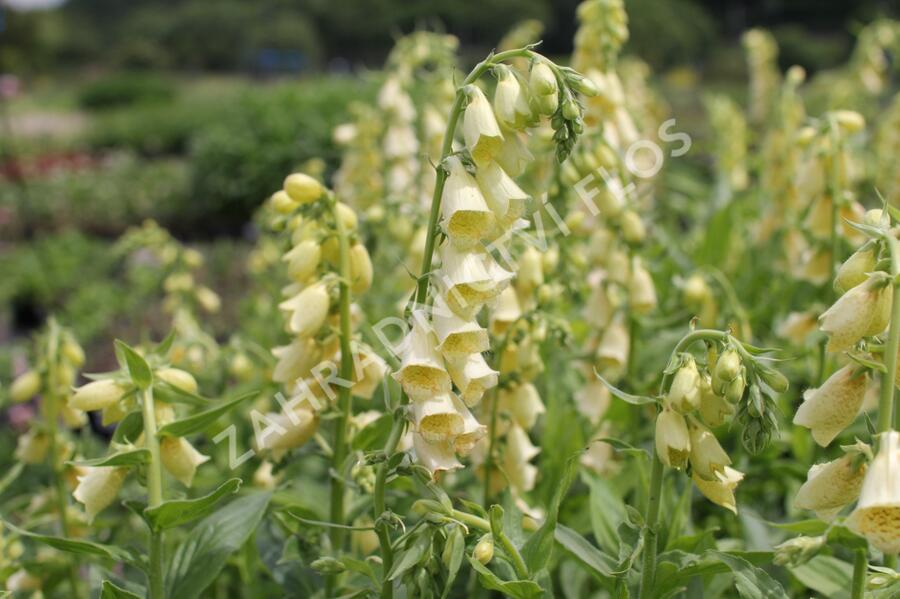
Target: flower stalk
340	447
155	577
52	400
421	294
651	518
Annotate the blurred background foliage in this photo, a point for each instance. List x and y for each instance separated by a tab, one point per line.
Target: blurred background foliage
189	112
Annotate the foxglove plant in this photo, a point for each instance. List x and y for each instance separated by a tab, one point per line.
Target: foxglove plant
855	324
475	205
735	383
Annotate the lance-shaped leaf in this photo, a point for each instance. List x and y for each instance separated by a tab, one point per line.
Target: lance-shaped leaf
200	421
129	428
170	514
637	400
600	564
539	547
132	457
202	555
137	366
77	545
109	590
520	589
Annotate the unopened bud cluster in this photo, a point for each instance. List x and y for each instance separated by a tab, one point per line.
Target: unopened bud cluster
702	397
316	223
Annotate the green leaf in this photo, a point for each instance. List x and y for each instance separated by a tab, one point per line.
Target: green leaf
200	558
751	582
11	475
137	366
826	575
539	547
598	562
110	591
170	514
200	421
637	400
607	511
129	428
412	556
132	457
76	546
457	549
844	537
173	394
810	528
520	589
163	347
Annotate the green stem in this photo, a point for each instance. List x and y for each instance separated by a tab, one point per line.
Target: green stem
382	527
471	520
859	574
651	518
340	448
489	457
155	577
387	553
886	400
510	549
51	407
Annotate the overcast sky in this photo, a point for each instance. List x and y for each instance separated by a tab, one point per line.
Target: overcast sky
30	4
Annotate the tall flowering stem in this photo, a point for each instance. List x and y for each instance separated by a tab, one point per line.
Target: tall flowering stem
155	578
886	400
651	518
346	373
382	525
52	400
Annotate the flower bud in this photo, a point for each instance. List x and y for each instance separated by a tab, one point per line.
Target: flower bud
208	299
361	272
484	550
728	367
72	352
25	386
307	310
303	260
641	290
547	105
633	230
97	395
714	409
32	447
328	565
695	291
542	81
510	101
734	390
684	393
855	269
777	381
849	121
282	203
349	220
180	458
98	487
673	441
797	551
302	188
178	378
